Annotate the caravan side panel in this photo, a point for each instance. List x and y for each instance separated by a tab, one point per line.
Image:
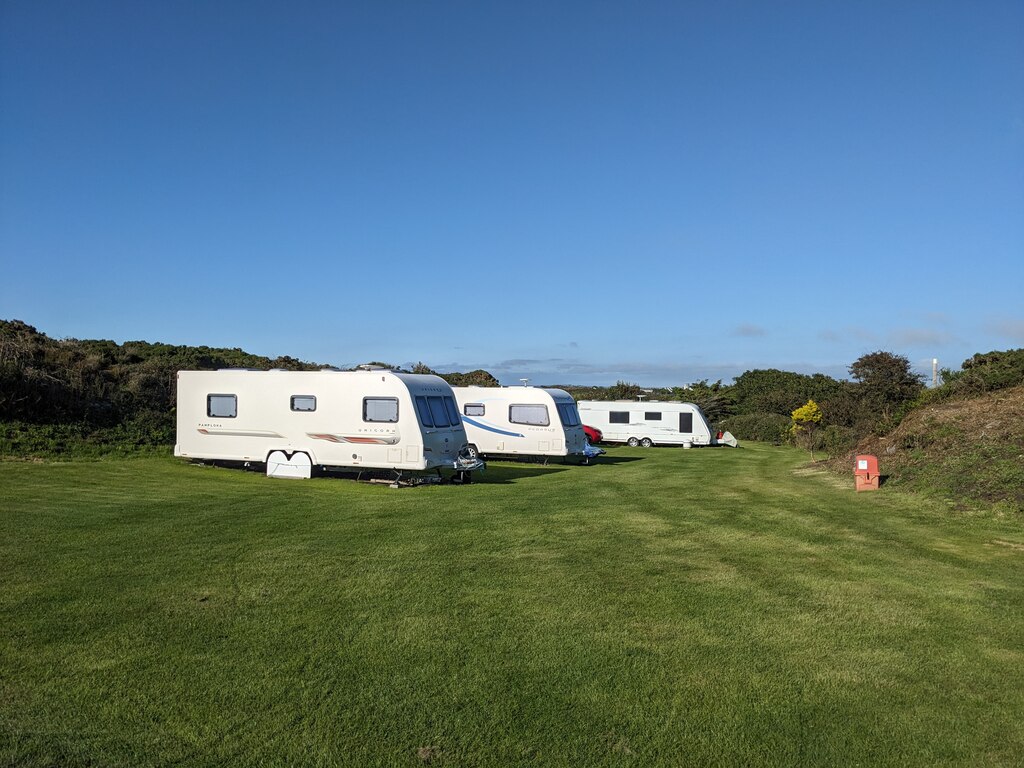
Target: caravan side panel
343	419
523	421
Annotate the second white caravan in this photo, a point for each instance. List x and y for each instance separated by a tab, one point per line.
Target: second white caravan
652	423
523	421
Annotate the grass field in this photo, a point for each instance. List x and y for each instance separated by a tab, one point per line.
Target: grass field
665	607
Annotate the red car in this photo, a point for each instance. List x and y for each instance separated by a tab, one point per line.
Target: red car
594	434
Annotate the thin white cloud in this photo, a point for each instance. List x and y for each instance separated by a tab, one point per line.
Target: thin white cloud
863	334
937	318
1008	328
920	337
749	330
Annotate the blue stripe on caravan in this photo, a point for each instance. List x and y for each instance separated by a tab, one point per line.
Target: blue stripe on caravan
481	425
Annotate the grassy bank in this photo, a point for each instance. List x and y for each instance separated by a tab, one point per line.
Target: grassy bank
664	607
968	451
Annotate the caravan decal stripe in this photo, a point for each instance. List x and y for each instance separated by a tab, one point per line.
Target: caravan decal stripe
236	433
353	439
481	425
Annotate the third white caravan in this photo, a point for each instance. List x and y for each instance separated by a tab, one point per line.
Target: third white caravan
652	423
525	421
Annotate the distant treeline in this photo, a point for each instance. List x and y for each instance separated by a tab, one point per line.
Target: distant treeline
882	389
58	393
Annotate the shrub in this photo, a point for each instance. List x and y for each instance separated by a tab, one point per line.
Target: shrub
804	429
838	441
25	440
981	373
765	427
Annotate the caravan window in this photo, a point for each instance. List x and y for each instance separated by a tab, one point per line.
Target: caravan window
474	409
222	406
424	411
380	409
618	417
303	403
437	411
568	414
652	416
453	410
686	422
536	415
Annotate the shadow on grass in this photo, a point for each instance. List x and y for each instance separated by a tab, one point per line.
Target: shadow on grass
499	474
495	474
615	459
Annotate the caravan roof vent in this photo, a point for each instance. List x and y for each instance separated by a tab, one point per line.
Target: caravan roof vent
372	367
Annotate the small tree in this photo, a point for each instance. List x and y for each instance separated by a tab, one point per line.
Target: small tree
885	382
806	420
715	399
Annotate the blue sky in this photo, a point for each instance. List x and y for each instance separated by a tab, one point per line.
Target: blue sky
570	192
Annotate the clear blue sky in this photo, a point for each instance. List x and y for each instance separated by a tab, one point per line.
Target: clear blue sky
571	192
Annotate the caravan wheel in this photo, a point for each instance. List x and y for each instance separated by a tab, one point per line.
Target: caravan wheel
646	442
472	452
633	442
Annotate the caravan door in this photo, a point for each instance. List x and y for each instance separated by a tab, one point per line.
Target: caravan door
686	423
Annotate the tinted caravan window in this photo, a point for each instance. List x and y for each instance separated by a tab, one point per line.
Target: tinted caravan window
474	409
535	415
618	417
303	403
222	406
568	414
424	411
453	410
686	422
437	411
380	409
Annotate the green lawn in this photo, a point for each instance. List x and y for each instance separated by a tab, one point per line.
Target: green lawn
665	607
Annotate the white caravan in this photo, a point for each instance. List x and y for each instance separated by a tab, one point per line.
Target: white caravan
295	420
652	423
524	421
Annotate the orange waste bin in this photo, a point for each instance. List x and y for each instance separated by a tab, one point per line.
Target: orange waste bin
865	472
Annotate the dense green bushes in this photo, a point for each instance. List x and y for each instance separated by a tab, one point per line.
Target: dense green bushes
477	378
765	427
837	440
70	395
781	392
981	373
78	440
